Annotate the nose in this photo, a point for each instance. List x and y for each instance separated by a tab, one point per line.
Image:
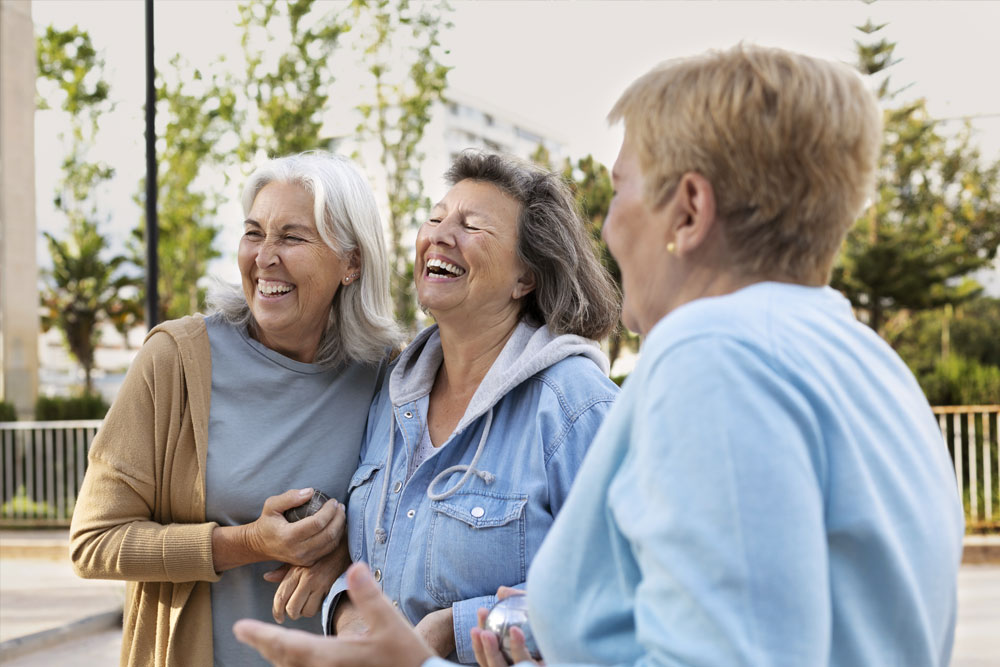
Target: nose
443	233
267	255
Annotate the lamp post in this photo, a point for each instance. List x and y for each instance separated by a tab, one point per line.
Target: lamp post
152	229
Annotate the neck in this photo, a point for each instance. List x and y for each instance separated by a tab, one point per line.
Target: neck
302	348
469	355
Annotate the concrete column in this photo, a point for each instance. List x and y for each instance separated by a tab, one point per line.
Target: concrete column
18	267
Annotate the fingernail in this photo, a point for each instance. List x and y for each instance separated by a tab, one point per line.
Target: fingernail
305	492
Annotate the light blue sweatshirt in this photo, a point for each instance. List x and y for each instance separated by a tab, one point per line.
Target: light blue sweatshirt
771	488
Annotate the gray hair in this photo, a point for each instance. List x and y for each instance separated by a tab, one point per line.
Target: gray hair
573	292
361	326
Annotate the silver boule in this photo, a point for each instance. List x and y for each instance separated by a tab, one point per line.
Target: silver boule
307	508
510	613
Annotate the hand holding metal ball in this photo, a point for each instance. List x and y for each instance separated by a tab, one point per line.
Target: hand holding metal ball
308	508
512	612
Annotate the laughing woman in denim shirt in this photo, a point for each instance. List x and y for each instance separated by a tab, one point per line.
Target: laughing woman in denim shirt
479	430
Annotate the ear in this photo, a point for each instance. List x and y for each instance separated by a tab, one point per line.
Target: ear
525	284
353	262
693	205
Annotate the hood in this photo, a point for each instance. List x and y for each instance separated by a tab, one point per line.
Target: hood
529	350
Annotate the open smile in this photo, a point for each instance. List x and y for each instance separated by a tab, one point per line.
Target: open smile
273	288
440	268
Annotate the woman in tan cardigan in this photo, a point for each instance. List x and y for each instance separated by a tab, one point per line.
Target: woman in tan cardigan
226	421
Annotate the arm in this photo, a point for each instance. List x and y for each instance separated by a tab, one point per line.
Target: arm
722	503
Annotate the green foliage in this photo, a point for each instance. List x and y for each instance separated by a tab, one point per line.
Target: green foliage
957	380
200	112
82	288
21	505
8	413
952	351
286	99
402	52
58	408
936	214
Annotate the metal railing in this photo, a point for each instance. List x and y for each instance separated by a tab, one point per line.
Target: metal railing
42	470
970	433
42	465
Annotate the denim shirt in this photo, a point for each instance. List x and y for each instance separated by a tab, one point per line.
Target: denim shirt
455	552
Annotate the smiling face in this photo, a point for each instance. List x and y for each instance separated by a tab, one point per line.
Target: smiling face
467	268
290	275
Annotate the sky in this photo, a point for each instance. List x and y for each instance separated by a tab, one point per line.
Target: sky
560	64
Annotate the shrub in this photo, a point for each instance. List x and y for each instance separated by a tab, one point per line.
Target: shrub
961	381
86	406
8	413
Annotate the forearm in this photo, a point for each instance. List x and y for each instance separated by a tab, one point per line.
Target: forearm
234	546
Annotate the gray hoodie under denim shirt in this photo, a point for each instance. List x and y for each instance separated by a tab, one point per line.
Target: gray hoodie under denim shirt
471	517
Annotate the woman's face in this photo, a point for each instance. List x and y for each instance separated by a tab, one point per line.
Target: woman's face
467	268
638	243
290	275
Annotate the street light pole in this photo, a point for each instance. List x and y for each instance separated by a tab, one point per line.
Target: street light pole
152	229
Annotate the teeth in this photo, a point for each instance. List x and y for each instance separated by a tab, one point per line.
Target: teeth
446	266
269	287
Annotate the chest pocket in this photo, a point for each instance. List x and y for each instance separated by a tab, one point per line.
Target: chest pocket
359	490
475	544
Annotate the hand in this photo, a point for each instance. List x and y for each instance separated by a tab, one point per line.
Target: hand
486	646
392	642
438	630
302	589
300	543
347	620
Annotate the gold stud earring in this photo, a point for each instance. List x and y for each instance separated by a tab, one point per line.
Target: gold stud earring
671	247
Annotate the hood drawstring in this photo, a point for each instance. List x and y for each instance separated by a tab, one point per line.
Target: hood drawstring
487	477
470	469
380	535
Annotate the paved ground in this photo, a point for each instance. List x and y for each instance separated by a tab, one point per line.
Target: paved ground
39	594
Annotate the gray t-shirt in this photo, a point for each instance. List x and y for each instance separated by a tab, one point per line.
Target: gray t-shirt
275	424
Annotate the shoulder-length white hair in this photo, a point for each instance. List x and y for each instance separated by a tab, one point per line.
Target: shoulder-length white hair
361	326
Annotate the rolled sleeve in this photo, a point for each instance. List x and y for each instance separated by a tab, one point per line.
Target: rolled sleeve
330	603
464	618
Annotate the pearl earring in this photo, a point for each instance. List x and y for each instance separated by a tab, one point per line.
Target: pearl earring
671	247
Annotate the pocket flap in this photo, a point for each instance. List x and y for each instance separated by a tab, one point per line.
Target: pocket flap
481	510
364	473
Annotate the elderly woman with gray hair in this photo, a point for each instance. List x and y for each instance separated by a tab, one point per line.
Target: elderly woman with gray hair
476	436
227	421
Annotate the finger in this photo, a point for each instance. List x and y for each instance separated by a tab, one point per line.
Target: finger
369	601
287	500
517	649
297	600
313	604
339	523
277	645
505	592
284	592
492	657
317	526
481	615
276	575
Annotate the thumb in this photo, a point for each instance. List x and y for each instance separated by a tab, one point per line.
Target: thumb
368	599
278	574
287	500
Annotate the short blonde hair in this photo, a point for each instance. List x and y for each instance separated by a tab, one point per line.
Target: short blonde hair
790	144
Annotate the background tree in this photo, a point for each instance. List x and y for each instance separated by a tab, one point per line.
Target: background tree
285	98
936	213
83	288
401	49
196	142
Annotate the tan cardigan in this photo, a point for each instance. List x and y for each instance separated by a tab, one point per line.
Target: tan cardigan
140	515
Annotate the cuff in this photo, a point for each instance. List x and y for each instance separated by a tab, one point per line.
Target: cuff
186	552
463	615
330	603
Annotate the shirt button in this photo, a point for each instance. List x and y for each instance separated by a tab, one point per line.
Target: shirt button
378	574
411	514
408	414
395	603
478	512
396	487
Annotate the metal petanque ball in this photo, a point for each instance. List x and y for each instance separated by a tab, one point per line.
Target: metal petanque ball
510	613
308	508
